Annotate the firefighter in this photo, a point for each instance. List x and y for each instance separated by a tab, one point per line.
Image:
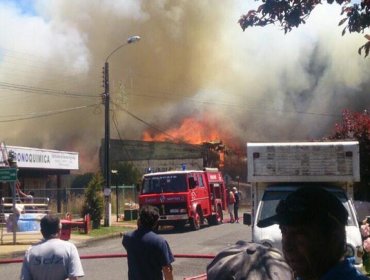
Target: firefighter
236	204
230	204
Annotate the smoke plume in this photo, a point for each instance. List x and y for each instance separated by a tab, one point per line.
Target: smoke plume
193	61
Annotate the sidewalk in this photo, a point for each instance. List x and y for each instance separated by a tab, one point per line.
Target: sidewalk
25	240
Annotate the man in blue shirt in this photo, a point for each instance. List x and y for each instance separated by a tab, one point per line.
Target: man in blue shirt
312	222
149	256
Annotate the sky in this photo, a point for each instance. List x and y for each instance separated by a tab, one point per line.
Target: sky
193	61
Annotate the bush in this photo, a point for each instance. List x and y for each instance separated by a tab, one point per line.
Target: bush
94	203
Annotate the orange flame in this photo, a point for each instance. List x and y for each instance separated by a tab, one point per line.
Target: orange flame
191	131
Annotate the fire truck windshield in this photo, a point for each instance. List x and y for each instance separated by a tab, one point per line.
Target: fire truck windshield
164	184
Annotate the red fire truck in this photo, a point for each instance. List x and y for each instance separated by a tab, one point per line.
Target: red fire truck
188	196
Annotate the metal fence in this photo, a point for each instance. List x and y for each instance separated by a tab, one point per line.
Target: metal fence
71	200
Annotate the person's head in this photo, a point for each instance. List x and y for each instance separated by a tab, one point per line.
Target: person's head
148	216
50	226
249	261
234	189
312	222
31	193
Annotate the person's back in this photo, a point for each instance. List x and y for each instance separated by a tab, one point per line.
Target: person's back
236	196
145	254
52	258
148	254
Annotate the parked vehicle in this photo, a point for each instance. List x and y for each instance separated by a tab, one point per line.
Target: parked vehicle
277	169
194	197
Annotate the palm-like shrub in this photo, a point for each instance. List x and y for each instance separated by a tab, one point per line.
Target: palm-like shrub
94	203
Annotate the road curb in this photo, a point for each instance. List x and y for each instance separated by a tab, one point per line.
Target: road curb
85	243
79	243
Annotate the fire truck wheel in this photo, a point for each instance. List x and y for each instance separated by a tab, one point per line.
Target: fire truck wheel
195	221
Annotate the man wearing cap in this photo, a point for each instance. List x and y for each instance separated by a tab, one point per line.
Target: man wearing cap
312	222
250	261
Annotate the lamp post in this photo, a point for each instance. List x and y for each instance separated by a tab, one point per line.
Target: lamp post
106	100
115	172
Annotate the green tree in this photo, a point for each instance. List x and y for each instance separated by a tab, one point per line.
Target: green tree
356	126
128	174
81	181
94	204
292	13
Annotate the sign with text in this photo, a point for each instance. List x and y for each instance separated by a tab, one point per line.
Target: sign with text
42	158
8	174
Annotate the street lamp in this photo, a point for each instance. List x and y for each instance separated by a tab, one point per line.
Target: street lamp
115	172
106	100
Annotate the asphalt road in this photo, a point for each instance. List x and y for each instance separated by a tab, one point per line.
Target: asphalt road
208	240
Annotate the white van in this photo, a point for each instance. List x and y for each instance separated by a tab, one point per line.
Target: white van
271	236
277	169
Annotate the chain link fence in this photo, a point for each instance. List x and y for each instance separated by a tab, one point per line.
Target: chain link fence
72	200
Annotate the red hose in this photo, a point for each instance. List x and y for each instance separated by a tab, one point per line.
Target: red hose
110	256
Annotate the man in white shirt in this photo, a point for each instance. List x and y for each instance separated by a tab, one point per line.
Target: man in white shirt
52	258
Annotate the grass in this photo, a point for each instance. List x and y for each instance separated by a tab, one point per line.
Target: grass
104	231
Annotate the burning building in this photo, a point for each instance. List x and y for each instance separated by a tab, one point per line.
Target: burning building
162	156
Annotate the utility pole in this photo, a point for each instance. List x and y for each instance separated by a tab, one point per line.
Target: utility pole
106	166
106	162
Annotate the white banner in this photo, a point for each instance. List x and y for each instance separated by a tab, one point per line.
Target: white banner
41	158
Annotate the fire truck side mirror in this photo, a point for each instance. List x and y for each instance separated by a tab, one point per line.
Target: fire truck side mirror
192	183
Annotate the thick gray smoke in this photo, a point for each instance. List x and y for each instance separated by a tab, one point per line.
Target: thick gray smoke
193	60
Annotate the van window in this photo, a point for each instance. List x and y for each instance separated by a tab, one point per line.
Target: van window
269	202
351	216
271	199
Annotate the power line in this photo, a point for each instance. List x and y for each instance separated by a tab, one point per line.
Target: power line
240	105
22	66
46	91
119	135
164	95
174	139
145	122
13	118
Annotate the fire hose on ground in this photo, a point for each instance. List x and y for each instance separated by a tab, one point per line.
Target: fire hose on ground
110	256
